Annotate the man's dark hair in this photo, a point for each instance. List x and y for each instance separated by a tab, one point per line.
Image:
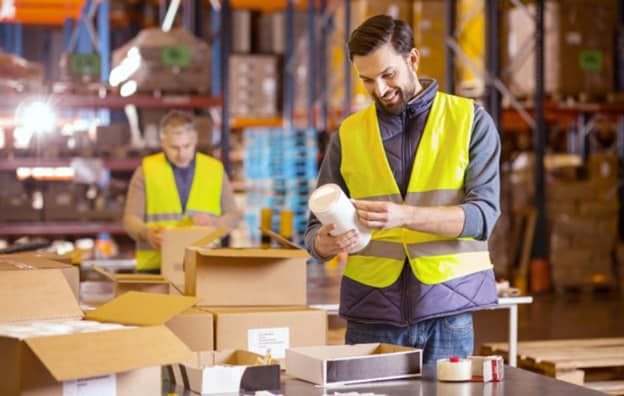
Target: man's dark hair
377	31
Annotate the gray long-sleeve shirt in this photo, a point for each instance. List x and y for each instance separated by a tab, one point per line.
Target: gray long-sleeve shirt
401	136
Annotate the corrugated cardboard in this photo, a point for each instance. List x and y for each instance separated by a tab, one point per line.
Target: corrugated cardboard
260	328
195	328
146	283
228	371
348	364
175	240
247	277
40	364
36	261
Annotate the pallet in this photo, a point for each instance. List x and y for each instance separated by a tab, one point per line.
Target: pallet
578	361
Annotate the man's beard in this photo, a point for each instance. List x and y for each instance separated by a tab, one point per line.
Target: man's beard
405	95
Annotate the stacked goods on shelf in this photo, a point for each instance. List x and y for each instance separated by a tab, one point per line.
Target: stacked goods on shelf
254	86
280	171
584	225
16	72
174	61
579	51
17	203
582	210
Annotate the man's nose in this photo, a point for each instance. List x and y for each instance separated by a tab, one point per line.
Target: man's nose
380	87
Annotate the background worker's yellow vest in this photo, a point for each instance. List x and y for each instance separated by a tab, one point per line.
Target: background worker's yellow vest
162	201
437	179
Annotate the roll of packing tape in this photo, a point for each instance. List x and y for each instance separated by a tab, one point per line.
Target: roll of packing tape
331	206
454	369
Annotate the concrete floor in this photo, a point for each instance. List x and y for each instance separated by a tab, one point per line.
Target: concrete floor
551	316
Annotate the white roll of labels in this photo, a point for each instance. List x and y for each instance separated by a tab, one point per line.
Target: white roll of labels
331	206
454	369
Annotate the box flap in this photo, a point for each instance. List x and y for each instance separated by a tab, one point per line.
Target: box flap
41	294
279	239
84	355
29	261
131	278
215	234
252	252
143	309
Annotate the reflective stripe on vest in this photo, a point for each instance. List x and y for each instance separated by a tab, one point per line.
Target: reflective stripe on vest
437	179
163	205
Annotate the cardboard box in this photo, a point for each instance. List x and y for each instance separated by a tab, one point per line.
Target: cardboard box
228	372
45	352
195	328
349	364
175	240
586	49
25	262
146	283
247	276
258	329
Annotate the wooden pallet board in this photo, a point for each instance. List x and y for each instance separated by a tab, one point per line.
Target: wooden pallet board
568	360
609	387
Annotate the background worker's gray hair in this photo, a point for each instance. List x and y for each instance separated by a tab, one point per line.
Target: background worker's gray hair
178	121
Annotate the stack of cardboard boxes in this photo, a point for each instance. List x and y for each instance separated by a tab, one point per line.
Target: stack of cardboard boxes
256	298
584	225
254	85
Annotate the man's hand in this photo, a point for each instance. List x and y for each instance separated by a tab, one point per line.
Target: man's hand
154	236
327	245
204	219
382	215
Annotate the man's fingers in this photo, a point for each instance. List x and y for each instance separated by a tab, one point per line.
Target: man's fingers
371	206
368	215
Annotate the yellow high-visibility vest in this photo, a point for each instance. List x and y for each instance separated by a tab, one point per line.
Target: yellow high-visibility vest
162	201
437	179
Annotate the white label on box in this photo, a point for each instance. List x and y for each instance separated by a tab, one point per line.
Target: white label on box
105	385
276	339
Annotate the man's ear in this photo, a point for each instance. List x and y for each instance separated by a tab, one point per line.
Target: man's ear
413	60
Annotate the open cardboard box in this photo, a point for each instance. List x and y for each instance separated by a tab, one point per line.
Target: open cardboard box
174	243
274	329
247	276
119	356
233	371
349	364
35	261
148	283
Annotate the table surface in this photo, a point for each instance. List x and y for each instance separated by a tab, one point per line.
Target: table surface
517	382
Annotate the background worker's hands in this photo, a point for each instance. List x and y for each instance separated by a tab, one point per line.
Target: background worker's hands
205	219
327	245
382	215
154	236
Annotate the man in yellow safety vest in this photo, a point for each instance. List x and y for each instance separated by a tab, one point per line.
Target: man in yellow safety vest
422	169
174	188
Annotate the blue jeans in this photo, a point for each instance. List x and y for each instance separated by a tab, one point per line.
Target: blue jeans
438	338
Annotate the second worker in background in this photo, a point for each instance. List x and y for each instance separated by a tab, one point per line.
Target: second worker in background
174	188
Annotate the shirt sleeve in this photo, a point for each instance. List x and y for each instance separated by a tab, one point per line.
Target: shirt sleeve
329	173
482	183
134	211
